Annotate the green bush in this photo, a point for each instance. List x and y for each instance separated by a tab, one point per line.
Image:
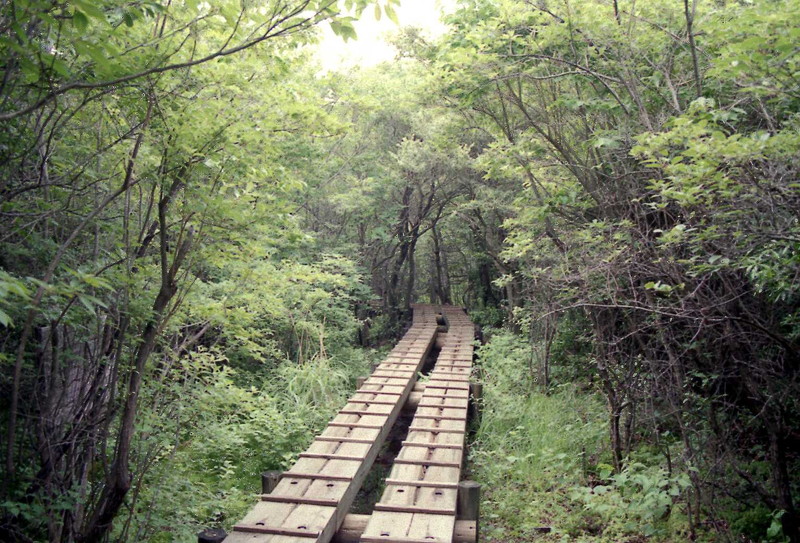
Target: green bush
209	437
638	500
758	524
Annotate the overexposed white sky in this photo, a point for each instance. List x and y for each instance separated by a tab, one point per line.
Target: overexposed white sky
371	48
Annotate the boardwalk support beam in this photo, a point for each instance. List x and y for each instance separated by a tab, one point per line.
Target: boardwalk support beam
475	395
469	501
269	480
211	535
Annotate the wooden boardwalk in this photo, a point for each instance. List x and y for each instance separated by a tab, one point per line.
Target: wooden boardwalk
419	502
310	502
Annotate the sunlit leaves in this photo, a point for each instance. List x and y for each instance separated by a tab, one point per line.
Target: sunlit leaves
344	28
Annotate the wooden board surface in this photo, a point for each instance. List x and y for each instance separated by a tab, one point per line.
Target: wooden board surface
419	502
311	500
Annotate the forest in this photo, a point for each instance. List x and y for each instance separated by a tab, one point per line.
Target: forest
205	239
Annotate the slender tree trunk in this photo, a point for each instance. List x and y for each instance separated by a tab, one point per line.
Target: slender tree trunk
441	284
412	273
27	328
118	481
782	481
615	415
403	234
689	14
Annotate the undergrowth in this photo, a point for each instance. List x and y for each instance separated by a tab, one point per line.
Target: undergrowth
543	461
231	428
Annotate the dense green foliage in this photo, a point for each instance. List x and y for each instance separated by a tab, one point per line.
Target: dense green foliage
544	461
198	226
166	311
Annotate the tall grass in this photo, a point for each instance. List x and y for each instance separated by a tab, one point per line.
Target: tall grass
543	460
531	448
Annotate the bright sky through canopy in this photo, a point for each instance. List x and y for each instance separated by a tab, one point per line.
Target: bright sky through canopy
372	47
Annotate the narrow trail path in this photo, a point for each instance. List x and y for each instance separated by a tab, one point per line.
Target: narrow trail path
423	495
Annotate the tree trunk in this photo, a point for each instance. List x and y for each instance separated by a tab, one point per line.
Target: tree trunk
118	481
440	275
32	313
782	482
689	14
412	272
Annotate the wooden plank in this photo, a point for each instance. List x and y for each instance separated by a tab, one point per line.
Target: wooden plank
439	384
461	396
372	402
263	529
356	425
326	456
398	527
380	410
322	476
395	539
435	430
439	417
416	509
434	484
299	499
425	463
428	445
454	403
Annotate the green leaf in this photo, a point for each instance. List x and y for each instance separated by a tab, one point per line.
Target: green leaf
89	7
390	12
80	21
775	528
5	320
86	303
95	52
30	71
344	30
378	12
